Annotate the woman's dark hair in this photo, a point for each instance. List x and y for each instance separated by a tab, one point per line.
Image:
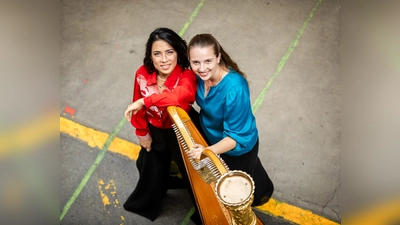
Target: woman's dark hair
205	40
172	39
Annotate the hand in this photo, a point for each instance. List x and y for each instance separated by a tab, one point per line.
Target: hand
196	151
135	107
146	143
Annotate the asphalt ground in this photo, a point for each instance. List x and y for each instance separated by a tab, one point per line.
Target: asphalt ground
290	53
289	49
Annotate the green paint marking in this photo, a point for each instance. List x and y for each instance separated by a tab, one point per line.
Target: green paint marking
92	168
187	217
285	57
191	18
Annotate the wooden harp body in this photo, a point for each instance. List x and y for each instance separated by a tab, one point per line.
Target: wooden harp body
223	197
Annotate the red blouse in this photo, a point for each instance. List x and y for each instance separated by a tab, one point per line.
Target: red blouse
180	91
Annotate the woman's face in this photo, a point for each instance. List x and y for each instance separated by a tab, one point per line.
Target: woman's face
164	57
204	62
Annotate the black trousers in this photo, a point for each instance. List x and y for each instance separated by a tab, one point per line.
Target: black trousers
251	164
154	179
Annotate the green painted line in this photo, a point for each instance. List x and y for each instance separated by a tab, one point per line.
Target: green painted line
92	168
191	18
187	217
285	57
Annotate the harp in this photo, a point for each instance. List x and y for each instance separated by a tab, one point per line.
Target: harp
223	197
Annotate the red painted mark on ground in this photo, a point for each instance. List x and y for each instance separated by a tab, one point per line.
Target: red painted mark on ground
69	110
117	47
84	81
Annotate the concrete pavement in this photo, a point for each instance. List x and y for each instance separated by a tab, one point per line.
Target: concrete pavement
290	53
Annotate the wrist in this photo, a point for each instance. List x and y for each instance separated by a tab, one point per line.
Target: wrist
211	148
145	137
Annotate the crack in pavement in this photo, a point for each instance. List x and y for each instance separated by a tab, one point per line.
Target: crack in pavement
326	205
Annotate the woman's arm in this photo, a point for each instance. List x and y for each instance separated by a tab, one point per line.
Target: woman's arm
139	119
183	94
226	144
134	108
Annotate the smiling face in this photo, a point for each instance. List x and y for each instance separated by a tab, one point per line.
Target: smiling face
204	62
164	57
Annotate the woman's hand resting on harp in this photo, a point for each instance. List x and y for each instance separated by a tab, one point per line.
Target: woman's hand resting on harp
196	151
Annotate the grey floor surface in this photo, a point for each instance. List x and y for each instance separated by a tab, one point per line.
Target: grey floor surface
102	45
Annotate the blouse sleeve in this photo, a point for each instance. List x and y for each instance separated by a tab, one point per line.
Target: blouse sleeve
139	120
238	119
182	95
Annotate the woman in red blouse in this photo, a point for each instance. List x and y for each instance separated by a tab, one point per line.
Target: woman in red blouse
163	80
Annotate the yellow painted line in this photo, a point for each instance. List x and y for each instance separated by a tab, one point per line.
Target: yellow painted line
294	214
108	191
104	197
108	194
95	138
385	212
92	137
123	220
125	148
27	136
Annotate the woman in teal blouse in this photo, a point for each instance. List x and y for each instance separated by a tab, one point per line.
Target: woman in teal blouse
226	112
226	117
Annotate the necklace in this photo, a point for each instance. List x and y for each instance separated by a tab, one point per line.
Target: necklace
162	80
158	77
162	84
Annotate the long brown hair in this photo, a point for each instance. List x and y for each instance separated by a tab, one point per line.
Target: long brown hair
205	40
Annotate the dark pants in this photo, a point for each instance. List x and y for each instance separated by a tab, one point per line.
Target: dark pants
154	179
251	164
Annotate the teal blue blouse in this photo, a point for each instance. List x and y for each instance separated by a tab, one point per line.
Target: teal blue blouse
226	111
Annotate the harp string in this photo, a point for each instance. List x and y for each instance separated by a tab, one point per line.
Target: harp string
205	167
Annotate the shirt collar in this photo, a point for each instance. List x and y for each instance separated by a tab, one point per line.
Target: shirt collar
171	80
